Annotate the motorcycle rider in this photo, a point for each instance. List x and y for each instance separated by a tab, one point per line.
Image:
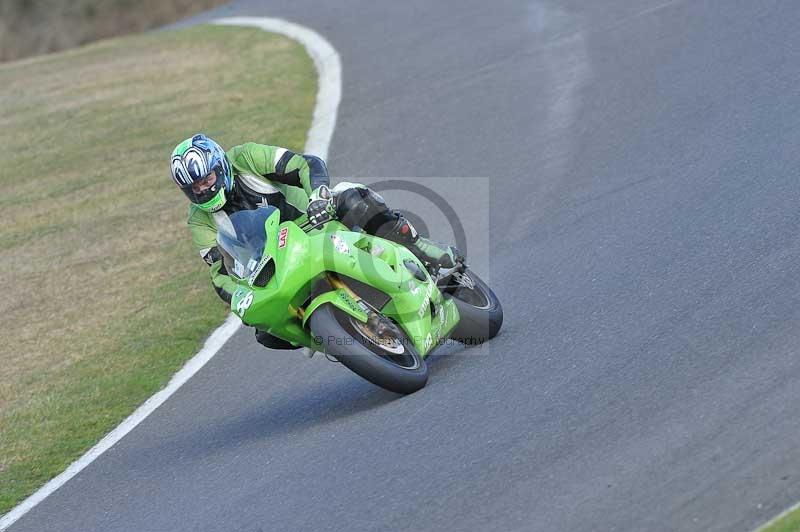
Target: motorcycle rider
252	175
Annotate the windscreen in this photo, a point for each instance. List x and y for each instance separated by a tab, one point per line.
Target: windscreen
243	240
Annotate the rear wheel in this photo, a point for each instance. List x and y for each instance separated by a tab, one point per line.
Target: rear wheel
378	350
480	310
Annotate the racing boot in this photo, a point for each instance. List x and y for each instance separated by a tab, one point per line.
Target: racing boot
436	253
424	249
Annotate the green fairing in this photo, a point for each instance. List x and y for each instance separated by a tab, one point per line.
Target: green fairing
305	258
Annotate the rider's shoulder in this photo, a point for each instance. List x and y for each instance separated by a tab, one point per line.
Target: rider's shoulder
249	147
234	152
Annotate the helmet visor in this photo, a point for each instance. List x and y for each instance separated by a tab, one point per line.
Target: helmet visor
203	190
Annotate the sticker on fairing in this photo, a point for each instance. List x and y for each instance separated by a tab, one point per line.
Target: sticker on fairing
350	302
413	288
428	342
376	250
426	300
238	268
257	269
340	245
282	237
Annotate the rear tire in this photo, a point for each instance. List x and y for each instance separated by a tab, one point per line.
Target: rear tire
400	370
480	310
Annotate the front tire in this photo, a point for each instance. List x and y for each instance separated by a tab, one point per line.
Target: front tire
480	310
396	367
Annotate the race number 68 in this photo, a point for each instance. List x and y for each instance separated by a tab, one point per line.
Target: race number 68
244	303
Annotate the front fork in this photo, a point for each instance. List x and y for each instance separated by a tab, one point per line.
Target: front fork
337	283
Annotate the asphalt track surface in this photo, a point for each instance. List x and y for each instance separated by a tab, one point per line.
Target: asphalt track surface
642	235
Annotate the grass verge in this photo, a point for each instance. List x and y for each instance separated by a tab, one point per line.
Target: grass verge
789	522
103	297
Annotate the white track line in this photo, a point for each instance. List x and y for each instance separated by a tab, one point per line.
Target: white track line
329	70
778	517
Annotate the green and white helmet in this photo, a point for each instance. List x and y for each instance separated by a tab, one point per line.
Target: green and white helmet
193	160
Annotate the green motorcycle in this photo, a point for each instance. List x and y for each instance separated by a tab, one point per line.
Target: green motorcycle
365	301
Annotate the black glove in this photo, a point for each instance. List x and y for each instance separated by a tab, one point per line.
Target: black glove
320	207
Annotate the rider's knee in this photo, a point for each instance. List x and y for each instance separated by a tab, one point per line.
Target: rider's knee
357	205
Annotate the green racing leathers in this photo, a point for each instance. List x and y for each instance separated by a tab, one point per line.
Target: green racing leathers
271	175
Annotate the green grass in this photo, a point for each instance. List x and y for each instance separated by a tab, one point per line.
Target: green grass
787	523
104	298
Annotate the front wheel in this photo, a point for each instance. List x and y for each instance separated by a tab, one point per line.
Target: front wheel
377	350
480	310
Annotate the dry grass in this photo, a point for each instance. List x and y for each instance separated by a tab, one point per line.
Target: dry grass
103	296
32	27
